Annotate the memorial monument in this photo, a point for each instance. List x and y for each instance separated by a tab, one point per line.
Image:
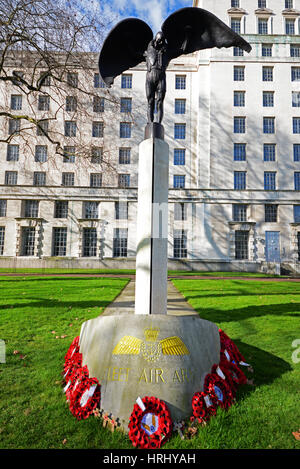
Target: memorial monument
152	353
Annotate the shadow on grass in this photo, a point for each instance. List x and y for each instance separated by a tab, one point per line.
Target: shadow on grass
58	304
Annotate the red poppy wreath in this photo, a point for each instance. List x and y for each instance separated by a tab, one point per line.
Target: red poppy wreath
150	423
85	398
204	407
216	386
229	350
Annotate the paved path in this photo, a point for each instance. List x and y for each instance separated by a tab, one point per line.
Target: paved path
124	303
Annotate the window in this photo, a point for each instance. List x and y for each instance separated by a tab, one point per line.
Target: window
90	210
124	155
238	52
295	98
179	131
97	155
179	156
31	208
268	98
72	79
239	152
235	3
296	213
180	244
180	82
262	4
70	128
41	153
271	213
296	125
126	105
28	241
266	50
98	82
39	178
125	129
239	212
17	77
59	247
297	181
180	212
97	129
298	245
69	155
12	153
269	180
267	73
16	102
289	26
43	103
269	152
120	242
68	179
239	125
124	180
241	240
42	128
71	104
235	24
14	126
98	104
45	79
239	98
61	209
295	73
179	182
121	210
95	180
238	73
239	180
126	81
295	50
269	125
180	106
289	4
3	207
2	236
89	242
262	26
296	149
11	178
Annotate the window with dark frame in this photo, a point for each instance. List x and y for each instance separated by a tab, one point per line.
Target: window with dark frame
59	246
69	154
239	98
126	105
238	73
67	179
97	155
238	52
295	73
125	129
262	25
269	180
239	152
124	155
72	79
43	103
120	242
126	81
295	50
42	128
14	126
269	152
2	238
295	98
296	125
16	102
91	210
27	241
41	153
239	212
179	181
70	128
268	98
12	153
179	244
267	73
266	50
98	82
121	210
179	156
180	211
271	211
61	209
124	180
71	104
3	207
89	242
180	82
296	151
39	178
31	208
179	131
269	125
98	104
297	180
241	239
296	213
239	180
298	245
180	106
11	178
239	125
97	129
96	180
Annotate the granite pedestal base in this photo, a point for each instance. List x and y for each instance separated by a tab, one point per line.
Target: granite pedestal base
155	355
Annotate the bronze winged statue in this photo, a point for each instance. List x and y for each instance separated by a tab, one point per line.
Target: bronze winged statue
185	31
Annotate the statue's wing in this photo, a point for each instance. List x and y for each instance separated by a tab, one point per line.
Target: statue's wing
128	345
123	48
173	346
205	31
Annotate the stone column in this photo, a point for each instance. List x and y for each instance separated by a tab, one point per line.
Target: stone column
152	223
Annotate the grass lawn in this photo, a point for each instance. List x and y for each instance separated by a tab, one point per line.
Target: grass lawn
261	317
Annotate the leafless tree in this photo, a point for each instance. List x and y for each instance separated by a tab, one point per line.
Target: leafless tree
48	58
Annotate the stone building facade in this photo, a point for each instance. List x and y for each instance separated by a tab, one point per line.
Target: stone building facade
232	123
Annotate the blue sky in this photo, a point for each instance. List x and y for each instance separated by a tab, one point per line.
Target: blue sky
154	12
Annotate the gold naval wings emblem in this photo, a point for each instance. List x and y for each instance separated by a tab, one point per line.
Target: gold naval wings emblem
151	349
